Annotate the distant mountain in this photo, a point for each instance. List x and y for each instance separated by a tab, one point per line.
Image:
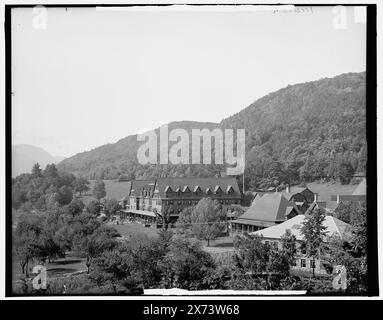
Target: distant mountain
305	132
24	156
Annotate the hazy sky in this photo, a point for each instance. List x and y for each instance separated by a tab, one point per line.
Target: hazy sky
94	77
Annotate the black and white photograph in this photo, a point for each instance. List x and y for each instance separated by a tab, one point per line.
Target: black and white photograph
175	149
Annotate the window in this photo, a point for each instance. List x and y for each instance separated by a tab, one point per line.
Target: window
303	263
312	264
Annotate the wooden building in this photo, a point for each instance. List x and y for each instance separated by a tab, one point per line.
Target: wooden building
265	211
273	235
163	199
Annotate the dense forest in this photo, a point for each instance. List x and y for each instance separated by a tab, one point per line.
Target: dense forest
301	133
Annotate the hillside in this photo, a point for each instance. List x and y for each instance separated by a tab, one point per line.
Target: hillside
300	133
111	160
24	156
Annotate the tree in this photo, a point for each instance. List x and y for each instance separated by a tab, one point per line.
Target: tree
99	189
64	195
51	171
146	254
250	254
183	224
81	185
359	234
344	171
114	268
93	245
36	171
111	207
94	207
289	246
208	220
185	265
76	207
349	212
27	240
268	266
314	232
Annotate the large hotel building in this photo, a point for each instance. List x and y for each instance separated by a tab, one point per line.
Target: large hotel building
164	198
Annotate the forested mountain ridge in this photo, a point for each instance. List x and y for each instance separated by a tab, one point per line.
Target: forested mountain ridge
310	130
299	133
112	160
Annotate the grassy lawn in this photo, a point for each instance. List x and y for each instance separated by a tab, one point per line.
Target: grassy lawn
65	265
219	245
130	229
57	268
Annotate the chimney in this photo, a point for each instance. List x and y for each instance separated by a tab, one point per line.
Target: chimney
315	197
288	189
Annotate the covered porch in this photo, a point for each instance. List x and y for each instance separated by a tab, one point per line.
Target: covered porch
139	216
240	226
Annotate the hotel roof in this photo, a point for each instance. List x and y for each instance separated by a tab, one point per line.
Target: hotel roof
213	184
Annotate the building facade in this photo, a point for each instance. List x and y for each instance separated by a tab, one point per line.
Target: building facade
165	198
273	236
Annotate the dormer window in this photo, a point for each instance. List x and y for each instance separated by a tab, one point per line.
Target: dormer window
186	189
197	189
229	189
168	189
208	191
217	189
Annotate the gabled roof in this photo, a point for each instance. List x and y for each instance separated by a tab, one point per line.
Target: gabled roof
332	224
296	190
360	190
139	185
216	188
185	188
269	207
203	183
328	206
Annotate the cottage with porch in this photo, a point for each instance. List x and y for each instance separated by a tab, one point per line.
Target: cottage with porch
273	235
266	211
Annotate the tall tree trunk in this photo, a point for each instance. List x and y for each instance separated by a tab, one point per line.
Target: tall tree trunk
26	268
208	242
87	265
